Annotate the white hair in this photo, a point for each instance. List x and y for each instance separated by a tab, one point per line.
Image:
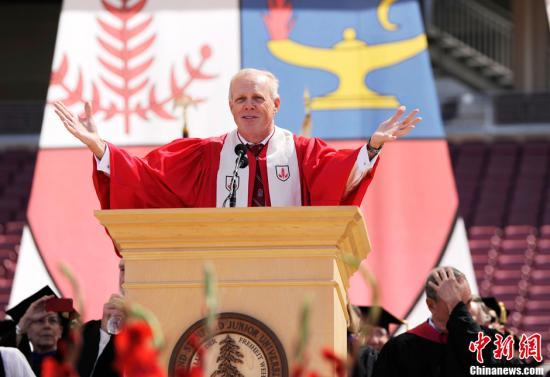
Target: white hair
272	81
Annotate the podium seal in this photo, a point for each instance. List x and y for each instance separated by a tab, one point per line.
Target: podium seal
238	346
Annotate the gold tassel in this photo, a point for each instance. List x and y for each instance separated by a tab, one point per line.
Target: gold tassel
184	101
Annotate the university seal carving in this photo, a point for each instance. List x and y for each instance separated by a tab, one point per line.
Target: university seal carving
238	346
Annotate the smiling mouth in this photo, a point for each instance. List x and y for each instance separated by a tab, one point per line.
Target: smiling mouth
249	117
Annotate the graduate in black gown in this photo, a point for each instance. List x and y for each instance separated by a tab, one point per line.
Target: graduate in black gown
39	326
439	347
373	335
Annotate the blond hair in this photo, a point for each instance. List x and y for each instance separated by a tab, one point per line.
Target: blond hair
272	81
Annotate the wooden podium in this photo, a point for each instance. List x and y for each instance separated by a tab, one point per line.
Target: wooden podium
267	261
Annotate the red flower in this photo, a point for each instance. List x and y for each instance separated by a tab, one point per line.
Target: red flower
68	348
298	370
313	374
52	368
136	356
135	335
198	369
338	363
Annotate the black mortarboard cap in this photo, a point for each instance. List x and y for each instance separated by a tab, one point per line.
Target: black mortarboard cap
19	310
384	319
498	307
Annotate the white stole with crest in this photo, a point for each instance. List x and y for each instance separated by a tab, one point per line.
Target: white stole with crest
283	174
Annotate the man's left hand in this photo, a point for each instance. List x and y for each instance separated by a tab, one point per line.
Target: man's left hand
393	128
114	307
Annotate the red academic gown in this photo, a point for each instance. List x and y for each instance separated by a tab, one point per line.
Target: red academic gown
184	174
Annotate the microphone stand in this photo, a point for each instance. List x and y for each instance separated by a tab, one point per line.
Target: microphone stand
240	163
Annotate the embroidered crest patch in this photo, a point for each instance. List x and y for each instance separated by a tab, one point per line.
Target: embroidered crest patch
282	172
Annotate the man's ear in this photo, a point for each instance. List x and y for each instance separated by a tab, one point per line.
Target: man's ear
277	103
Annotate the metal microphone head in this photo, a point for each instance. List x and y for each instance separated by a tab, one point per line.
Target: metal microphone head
240	150
244	162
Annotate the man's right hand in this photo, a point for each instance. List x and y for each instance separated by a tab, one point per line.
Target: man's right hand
35	312
83	128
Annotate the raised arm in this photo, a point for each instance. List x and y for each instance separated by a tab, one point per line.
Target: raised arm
83	128
394	128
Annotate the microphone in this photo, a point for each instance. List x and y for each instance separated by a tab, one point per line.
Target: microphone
240	149
242	160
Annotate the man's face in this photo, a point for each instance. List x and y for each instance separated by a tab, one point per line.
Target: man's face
44	333
478	314
378	336
439	310
251	104
121	272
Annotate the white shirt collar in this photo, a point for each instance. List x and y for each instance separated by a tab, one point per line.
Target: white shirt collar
431	323
263	142
104	337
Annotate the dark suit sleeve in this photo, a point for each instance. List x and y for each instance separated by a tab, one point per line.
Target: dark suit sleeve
463	330
390	361
90	346
7	334
87	364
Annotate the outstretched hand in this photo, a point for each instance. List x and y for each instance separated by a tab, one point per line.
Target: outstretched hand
393	128
83	128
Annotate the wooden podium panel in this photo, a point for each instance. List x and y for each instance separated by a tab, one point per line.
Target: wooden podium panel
267	262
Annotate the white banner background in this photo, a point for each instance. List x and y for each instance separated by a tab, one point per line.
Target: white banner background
180	29
63	228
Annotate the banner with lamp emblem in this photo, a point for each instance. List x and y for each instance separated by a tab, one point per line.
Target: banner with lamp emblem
352	63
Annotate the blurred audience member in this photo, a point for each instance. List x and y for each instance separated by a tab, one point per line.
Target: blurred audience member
440	346
480	312
98	349
14	363
41	321
498	313
374	332
121	271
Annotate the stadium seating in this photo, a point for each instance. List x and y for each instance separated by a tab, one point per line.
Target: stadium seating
16	171
504	191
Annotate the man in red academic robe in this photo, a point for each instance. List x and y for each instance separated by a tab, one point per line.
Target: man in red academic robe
283	169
